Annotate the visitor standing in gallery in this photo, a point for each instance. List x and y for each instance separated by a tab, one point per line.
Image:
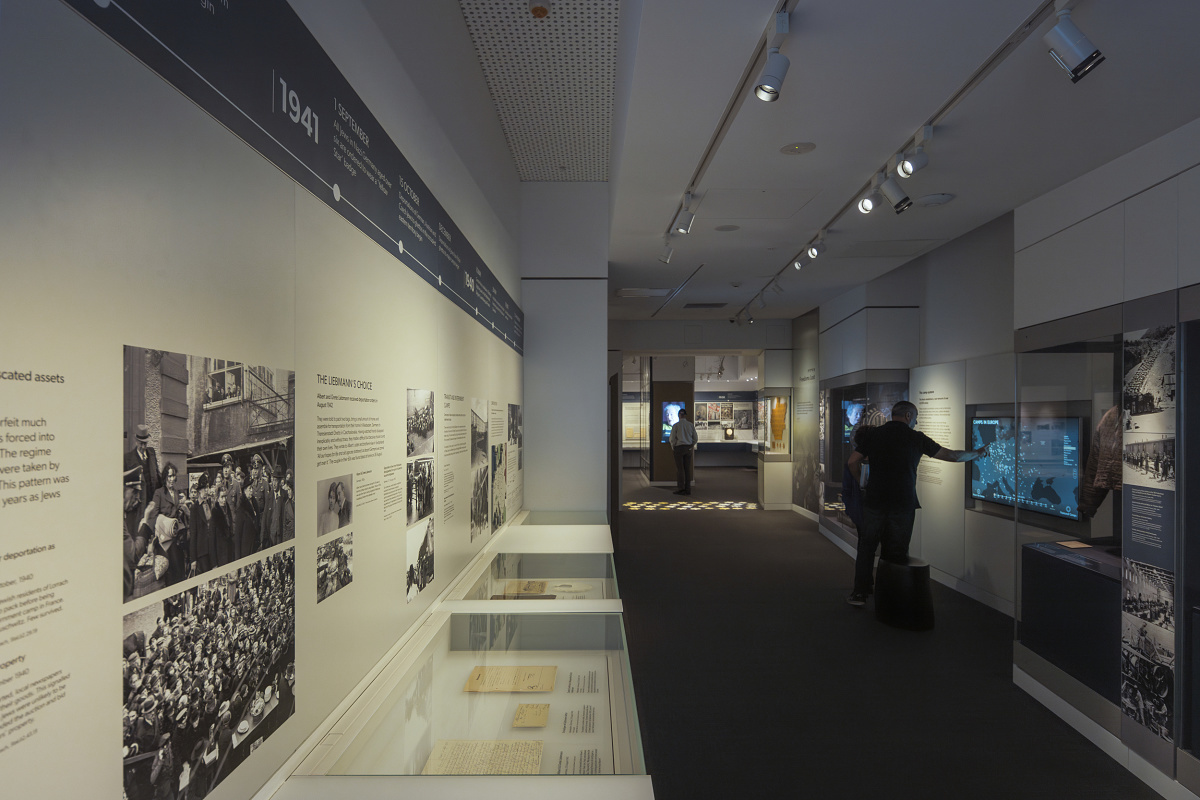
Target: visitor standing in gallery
890	498
683	442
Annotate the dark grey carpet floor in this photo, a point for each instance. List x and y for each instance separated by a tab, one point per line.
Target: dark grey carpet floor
754	678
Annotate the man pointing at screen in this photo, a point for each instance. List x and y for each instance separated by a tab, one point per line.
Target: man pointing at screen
890	499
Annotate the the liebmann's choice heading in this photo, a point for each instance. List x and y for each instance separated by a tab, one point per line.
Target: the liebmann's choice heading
334	380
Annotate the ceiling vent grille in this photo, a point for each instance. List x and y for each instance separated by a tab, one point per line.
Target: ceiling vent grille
552	82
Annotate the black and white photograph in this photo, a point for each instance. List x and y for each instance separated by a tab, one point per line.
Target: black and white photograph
479	503
1148	401
208	465
420	559
335	503
743	416
335	565
1147	674
1149	460
420	422
1149	594
515	425
208	675
699	413
499	488
479	434
420	489
516	431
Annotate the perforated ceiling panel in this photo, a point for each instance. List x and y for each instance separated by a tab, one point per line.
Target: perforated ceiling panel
551	81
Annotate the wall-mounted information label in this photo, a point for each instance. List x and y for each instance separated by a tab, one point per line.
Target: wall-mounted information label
259	72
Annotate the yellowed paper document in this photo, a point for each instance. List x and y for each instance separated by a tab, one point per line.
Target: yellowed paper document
1073	544
511	679
525	587
532	715
472	757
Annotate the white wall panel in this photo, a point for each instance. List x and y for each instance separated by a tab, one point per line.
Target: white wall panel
564	230
566	416
1107	186
990	379
1152	241
1077	270
893	338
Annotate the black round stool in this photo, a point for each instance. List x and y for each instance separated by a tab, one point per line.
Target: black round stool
903	598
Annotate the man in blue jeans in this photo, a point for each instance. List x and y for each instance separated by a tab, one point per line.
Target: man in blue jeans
890	499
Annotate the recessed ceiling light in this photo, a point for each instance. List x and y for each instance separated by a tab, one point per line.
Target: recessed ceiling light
934	200
797	148
724	228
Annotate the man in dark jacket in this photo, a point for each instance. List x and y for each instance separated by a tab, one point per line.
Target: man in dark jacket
890	499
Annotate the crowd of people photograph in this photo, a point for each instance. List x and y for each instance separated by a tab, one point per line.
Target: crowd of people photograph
177	526
420	489
479	504
208	674
420	422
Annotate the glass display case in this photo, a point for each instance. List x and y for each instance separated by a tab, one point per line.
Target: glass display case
540	576
774	407
495	694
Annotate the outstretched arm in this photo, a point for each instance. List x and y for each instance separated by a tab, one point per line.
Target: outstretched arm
960	455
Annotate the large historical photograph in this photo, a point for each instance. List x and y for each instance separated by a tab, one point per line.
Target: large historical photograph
208	675
208	463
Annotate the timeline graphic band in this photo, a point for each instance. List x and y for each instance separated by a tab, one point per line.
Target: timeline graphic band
256	69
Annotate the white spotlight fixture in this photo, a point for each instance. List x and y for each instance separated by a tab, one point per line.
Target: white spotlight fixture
749	318
684	219
892	192
872	199
667	252
767	87
911	163
798	263
771	79
1073	51
816	247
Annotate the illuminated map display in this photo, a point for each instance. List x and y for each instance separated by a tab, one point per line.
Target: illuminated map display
993	477
1048	479
1044	479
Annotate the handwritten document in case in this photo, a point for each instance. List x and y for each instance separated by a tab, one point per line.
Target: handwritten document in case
525	587
471	757
532	715
511	679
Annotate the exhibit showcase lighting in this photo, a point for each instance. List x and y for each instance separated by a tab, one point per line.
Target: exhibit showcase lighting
1073	51
912	163
894	195
685	218
667	252
817	246
909	164
776	287
872	199
770	81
